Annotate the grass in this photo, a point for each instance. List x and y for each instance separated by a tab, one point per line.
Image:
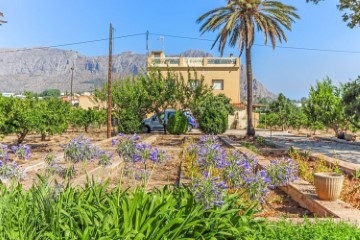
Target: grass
320	230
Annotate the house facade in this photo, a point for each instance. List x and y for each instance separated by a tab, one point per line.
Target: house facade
222	73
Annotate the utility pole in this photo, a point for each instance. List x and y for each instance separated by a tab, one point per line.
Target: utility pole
71	85
109	105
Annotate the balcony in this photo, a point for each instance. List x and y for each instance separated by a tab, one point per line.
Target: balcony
193	62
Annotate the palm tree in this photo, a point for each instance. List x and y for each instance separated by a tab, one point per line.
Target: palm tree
2	21
237	22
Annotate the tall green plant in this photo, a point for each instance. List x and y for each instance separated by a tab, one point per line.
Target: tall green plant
237	22
325	106
351	100
96	212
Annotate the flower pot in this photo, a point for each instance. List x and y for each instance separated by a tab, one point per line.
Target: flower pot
328	185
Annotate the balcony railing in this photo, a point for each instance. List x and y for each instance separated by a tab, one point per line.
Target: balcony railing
165	61
193	61
221	61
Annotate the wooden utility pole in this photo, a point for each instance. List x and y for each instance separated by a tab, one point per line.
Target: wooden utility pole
109	105
71	85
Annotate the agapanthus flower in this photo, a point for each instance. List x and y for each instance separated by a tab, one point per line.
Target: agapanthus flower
4	152
105	158
9	170
80	149
21	151
282	171
210	191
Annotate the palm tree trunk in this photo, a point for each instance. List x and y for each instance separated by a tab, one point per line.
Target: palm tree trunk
250	131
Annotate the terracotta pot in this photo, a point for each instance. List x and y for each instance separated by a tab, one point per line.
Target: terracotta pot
328	185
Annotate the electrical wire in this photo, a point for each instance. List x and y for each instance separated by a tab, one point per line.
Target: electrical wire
71	44
176	36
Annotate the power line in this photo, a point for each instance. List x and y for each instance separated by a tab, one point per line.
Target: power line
74	43
261	45
180	37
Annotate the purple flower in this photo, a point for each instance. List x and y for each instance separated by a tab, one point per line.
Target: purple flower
4	152
80	149
21	151
282	171
209	190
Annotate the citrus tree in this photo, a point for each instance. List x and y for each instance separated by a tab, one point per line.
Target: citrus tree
51	116
351	100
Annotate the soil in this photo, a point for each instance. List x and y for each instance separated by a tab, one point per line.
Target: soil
277	204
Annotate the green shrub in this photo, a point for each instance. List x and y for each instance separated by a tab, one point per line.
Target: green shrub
212	113
177	124
129	121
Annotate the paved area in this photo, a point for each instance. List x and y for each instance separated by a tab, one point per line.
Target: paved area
343	151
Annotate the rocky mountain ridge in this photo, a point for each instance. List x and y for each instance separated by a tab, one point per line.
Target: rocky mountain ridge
37	69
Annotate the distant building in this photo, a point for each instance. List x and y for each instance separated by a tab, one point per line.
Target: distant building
222	73
85	102
8	94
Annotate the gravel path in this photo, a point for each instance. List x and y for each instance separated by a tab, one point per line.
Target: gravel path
343	151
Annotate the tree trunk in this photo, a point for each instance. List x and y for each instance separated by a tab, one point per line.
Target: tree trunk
21	137
164	124
250	131
43	137
86	129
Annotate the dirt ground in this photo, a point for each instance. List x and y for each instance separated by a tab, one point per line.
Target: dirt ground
277	204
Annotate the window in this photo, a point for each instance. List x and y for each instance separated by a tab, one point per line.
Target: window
218	84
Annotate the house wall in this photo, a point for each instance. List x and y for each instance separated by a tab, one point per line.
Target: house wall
226	69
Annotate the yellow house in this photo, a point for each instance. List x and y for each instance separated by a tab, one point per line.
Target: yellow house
222	73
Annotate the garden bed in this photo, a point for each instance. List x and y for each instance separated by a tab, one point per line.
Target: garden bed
305	194
277	203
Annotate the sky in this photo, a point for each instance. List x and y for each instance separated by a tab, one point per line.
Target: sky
172	27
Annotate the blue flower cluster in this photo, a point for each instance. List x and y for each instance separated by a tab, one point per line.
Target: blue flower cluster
133	151
238	171
10	170
21	151
209	190
4	152
54	167
282	171
80	149
105	158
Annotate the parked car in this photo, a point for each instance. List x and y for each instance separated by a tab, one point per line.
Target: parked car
152	123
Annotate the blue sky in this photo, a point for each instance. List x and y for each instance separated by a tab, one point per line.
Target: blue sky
34	23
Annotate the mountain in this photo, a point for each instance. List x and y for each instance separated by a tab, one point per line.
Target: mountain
259	91
37	69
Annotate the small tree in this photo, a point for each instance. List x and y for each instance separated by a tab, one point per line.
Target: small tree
20	117
50	93
351	100
212	113
325	105
52	117
272	120
284	108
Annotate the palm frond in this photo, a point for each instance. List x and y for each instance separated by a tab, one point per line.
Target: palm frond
238	20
